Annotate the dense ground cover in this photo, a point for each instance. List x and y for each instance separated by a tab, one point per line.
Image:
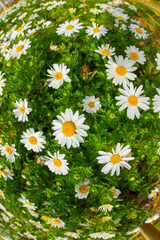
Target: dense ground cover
80	103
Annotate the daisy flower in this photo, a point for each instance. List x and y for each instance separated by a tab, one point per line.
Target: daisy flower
34	214
2	84
154	218
96	10
5	218
41	160
96	31
31	31
22	16
20	48
120	25
46	24
136	55
139	32
121	16
121	70
7	54
33	140
33	16
156	102
57	75
56	222
102	235
20	31
106	50
4	47
56	163
60	3
115	192
158	61
2	208
153	193
118	158
72	234
22	110
69	28
7	174
2	194
69	129
82	189
36	224
132	100
72	10
106	208
26	203
133	231
9	152
91	104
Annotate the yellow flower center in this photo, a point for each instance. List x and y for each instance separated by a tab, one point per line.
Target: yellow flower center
57	162
113	191
108	8
20	28
121	71
96	30
134	56
139	30
69	27
83	189
22	109
120	17
19	48
5	46
1	192
26	202
9	150
36	223
31	32
58	75
105	52
116	158
133	100
41	160
56	221
68	128
5	173
32	140
91	104
153	193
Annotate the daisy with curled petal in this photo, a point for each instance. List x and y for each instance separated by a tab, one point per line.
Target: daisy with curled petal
121	70
136	55
156	102
57	75
118	158
56	222
96	31
133	231
7	174
2	82
56	163
106	50
33	140
154	218
22	110
20	48
68	28
153	193
139	32
36	224
69	129
27	203
2	194
20	30
82	189
115	192
91	104
132	100
158	61
41	160
9	152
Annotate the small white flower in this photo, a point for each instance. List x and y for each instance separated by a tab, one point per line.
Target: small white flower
61	238
106	50
120	25
156	102
132	100
136	55
22	16
57	75
96	31
26	203
102	235
33	140
106	208
118	158
158	61
41	160
46	24
56	163
5	218
7	174
69	28
133	231
34	214
121	70
36	224
9	152
82	189
154	218
2	84
115	192
2	208
2	194
153	193
72	234
31	31
120	16
139	32
91	104
56	222
22	110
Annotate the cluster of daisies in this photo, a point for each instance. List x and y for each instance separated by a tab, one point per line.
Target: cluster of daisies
69	128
